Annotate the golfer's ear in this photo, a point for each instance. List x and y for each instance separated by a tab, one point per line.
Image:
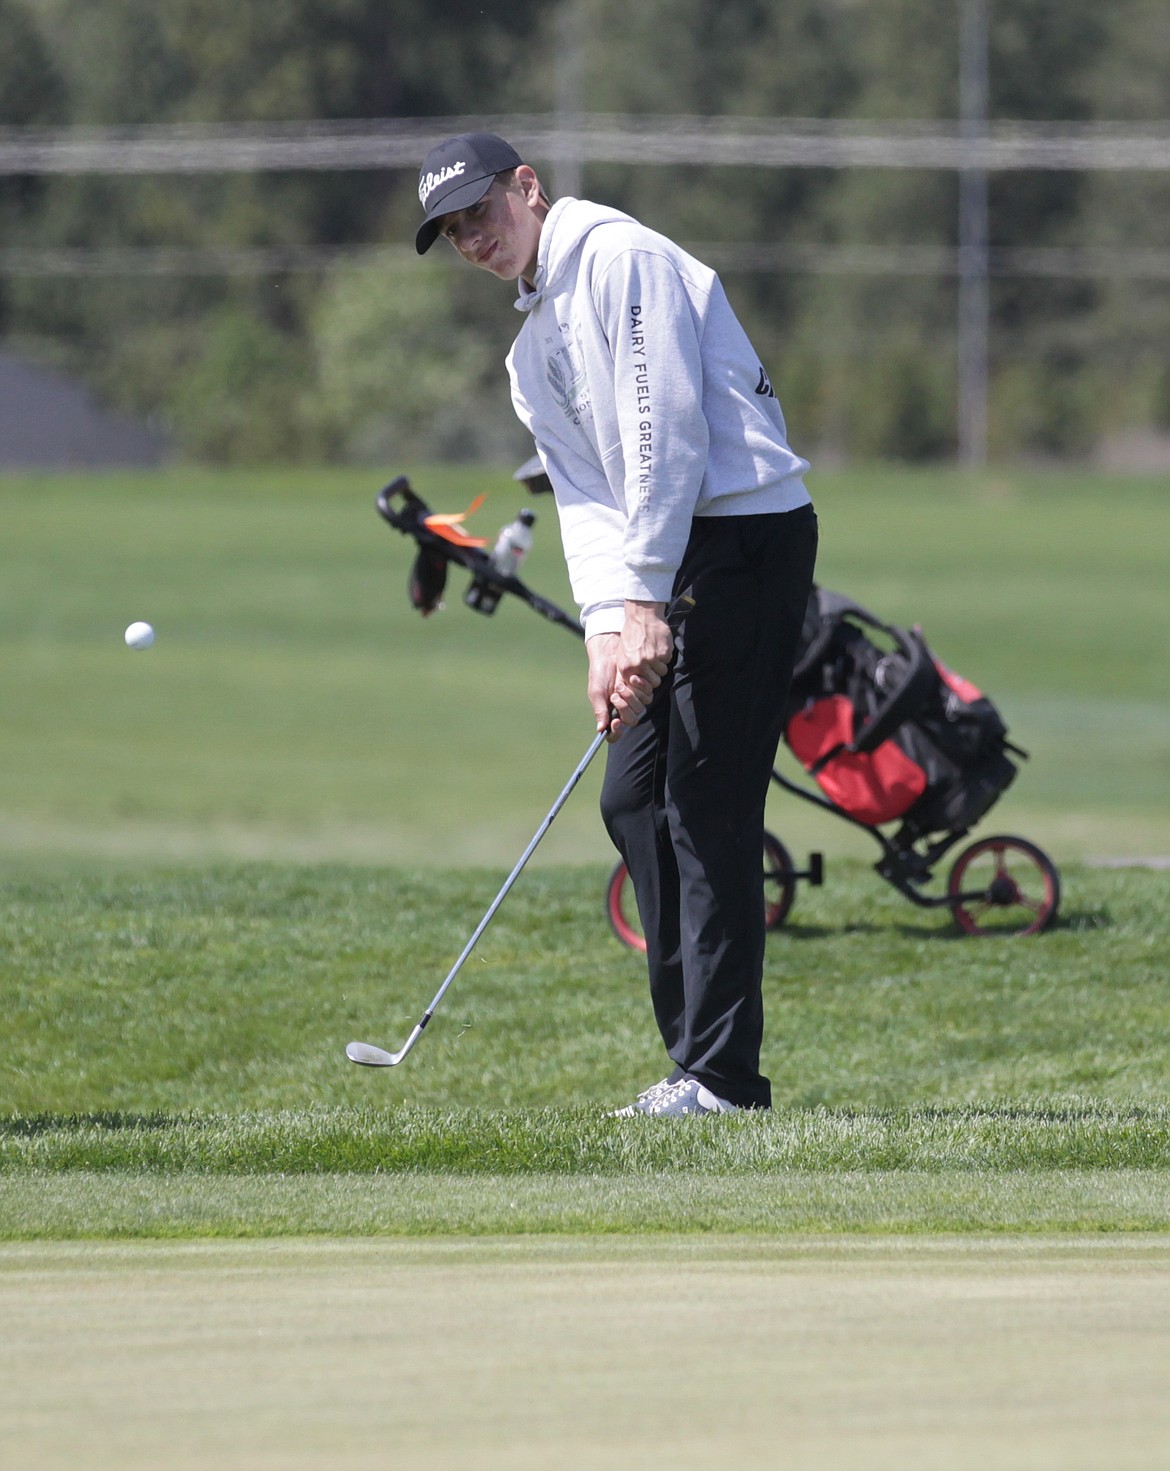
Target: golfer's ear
527	178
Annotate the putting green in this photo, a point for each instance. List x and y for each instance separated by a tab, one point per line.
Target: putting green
565	1352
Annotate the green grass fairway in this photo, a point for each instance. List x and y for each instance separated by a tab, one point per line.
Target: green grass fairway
233	988
174	1063
295	707
802	1354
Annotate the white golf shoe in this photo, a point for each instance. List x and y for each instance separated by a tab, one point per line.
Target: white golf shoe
638	1106
667	1100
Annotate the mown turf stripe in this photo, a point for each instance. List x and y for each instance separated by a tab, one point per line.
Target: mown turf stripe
116	1205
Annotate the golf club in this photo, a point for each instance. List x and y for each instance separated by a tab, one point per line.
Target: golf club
365	1053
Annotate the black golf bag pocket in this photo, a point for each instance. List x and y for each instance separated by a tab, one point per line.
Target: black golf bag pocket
428	580
891	733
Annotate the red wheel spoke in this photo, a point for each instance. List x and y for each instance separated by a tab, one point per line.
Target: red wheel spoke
1008	864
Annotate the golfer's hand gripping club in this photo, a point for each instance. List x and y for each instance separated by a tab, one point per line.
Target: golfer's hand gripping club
370	1056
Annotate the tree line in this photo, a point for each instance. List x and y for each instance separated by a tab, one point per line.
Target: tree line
368	361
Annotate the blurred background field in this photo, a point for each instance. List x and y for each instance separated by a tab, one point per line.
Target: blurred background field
296	707
944	227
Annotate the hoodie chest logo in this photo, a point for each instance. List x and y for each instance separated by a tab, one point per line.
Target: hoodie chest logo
565	370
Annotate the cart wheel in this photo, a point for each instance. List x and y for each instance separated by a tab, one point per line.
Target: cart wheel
621	910
779	892
1003	886
779	882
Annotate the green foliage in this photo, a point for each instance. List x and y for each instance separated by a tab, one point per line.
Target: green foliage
32	90
239	399
405	372
864	366
903	408
1047	412
156	345
32	93
1131	318
206	60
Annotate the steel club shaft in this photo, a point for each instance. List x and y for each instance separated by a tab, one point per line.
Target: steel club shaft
367	1055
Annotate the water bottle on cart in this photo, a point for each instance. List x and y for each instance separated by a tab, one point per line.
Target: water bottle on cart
512	546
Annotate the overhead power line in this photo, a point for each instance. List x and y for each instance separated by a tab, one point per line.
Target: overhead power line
375	144
1088	263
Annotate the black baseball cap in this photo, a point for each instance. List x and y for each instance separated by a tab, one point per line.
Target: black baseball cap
456	173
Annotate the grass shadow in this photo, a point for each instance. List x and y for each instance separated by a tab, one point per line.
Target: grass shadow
802	932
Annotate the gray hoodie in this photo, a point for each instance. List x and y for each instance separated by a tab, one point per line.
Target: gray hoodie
647	403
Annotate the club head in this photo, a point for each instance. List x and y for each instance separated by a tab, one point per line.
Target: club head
369	1056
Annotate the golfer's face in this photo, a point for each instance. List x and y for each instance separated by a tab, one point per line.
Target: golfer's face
500	234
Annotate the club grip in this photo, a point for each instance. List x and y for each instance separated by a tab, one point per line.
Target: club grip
675	615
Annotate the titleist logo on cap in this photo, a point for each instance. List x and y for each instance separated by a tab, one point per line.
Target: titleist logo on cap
430	182
456	174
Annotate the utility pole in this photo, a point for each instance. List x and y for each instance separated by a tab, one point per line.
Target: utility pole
570	90
974	296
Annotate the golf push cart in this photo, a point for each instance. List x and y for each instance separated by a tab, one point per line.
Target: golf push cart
893	739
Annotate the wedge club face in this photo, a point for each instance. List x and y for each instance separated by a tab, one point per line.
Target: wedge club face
367	1055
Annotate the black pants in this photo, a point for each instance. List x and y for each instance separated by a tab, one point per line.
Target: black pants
684	793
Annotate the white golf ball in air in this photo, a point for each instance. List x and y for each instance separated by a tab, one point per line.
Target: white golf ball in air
139	636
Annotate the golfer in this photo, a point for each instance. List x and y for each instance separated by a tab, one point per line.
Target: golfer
669	461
